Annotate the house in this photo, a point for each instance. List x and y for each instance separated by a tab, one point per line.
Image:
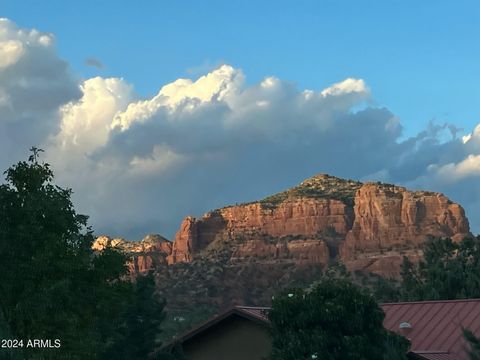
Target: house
238	334
433	327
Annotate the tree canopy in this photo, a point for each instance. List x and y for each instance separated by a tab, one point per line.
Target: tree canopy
141	327
334	319
450	270
52	285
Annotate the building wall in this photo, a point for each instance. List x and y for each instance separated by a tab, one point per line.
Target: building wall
233	339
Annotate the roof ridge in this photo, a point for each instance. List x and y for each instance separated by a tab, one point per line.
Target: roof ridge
430	302
381	304
252	307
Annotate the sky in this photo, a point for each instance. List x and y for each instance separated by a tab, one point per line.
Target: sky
277	91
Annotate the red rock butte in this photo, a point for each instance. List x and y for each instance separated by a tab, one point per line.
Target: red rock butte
369	227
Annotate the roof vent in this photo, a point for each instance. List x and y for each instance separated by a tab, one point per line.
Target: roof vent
405	329
405	325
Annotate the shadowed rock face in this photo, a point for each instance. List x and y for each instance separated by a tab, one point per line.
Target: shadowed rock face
367	226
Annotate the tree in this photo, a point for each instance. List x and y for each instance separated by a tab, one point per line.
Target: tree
141	326
52	286
449	271
474	342
386	290
334	319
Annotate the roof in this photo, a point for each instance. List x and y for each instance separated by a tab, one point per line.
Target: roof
431	355
256	314
436	326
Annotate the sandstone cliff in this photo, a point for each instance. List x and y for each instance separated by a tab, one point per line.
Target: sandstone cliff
264	232
367	226
391	222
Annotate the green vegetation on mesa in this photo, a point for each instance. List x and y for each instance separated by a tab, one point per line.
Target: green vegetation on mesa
324	186
321	186
52	286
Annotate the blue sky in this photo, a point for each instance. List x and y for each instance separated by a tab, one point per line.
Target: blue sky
142	148
420	58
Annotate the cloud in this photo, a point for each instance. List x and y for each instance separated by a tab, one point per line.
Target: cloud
94	63
214	87
10	52
201	144
345	87
85	124
139	165
34	82
454	172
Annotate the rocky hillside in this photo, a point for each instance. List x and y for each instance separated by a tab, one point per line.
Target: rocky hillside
150	253
244	253
366	226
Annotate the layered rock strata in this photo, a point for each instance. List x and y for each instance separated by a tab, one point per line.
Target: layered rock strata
369	227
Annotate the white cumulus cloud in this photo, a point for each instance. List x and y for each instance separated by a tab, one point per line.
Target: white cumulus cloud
34	83
199	143
10	52
86	123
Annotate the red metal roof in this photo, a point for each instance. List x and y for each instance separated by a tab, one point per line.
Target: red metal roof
436	356
436	326
258	312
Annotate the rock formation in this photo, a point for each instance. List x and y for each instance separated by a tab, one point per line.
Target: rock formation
247	253
369	227
366	226
391	222
147	254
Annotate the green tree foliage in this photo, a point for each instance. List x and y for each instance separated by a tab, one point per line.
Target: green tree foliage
450	270
383	290
52	286
474	343
334	319
141	327
144	317
386	290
